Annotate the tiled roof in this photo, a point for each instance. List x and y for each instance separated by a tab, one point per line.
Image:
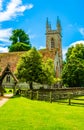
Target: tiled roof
12	58
9	58
47	54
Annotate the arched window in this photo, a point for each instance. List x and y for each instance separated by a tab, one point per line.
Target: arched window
52	43
8	78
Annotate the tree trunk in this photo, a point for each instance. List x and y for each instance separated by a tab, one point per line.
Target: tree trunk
31	85
1	90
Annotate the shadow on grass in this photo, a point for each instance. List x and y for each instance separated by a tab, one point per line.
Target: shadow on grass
78	104
16	96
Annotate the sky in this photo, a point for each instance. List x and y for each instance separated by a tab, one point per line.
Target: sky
30	15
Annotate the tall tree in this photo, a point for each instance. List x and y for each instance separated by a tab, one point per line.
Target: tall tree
20	41
31	68
73	70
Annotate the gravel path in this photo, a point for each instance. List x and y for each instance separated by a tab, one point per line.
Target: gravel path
4	99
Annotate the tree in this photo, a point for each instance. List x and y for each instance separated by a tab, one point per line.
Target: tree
19	46
73	70
48	71
20	41
31	68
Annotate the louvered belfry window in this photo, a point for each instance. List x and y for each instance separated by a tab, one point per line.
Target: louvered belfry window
52	43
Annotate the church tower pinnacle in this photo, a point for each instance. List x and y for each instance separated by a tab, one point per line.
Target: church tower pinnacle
48	25
58	25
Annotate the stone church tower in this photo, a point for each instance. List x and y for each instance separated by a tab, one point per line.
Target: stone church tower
53	43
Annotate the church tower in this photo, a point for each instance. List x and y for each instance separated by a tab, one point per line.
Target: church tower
53	43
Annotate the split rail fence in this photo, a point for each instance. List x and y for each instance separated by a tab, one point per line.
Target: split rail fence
53	95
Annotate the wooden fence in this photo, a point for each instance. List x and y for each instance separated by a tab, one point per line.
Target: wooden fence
53	95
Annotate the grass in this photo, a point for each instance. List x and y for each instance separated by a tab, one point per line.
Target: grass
7	90
20	113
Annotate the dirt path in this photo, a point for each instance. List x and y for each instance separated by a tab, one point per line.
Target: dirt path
4	99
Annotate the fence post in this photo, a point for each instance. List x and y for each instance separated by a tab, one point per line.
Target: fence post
31	94
50	97
69	99
37	95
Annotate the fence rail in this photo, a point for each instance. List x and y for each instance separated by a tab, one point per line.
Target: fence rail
53	95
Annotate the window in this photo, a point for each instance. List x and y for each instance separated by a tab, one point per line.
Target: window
52	43
8	78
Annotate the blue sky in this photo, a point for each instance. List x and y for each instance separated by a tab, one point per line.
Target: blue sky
30	15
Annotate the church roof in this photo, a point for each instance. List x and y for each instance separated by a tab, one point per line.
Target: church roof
12	58
9	58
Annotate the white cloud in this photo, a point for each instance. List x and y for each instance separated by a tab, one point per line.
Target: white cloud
13	8
30	6
72	44
81	30
42	47
5	34
3	49
77	42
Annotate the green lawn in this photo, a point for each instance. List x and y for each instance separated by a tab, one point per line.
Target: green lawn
8	91
20	113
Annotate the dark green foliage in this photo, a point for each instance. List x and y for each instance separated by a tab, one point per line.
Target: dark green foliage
19	35
73	70
20	41
19	46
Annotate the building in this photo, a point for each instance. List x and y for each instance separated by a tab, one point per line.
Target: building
54	44
53	50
